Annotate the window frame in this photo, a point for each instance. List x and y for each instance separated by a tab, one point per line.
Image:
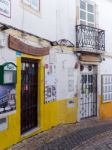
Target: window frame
30	4
26	2
106	86
87	12
35	7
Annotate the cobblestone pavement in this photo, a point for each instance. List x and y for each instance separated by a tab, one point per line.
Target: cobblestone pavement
99	142
89	134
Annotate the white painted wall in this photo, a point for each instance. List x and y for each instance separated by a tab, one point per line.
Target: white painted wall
43	24
57	19
106	66
65	63
65	72
6	54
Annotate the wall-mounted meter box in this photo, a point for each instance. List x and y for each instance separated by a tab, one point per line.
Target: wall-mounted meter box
8	73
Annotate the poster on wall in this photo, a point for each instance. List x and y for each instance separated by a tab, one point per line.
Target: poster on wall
50	82
70	85
5	8
7	99
71	80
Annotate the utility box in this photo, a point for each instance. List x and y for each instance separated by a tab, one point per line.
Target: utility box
8	72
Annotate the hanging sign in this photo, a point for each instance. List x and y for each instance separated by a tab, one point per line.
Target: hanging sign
5	8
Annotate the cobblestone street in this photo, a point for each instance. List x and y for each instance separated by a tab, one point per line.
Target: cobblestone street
89	134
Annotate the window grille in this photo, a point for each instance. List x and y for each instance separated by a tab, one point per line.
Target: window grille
106	88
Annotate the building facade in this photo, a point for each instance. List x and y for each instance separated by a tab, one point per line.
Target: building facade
55	65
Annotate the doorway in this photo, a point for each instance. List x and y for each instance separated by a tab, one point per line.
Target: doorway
29	95
88	91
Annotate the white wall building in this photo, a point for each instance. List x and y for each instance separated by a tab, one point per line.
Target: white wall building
71	41
55	20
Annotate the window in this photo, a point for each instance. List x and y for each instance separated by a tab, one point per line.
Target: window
87	13
106	88
35	4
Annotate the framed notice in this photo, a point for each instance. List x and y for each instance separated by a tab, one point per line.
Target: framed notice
5	8
106	88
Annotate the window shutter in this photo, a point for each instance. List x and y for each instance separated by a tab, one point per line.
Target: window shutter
26	2
35	4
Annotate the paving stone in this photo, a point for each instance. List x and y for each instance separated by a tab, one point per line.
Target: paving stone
18	146
81	135
72	136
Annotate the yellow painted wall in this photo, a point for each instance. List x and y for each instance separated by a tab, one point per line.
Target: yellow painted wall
57	112
50	114
105	109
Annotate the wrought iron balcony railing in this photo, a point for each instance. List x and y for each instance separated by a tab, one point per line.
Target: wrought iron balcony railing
90	38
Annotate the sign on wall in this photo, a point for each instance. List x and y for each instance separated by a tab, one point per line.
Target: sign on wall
71	80
70	104
7	99
50	82
107	88
20	46
5	8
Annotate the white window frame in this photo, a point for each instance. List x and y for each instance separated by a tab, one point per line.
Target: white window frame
26	2
30	4
106	89
36	7
94	13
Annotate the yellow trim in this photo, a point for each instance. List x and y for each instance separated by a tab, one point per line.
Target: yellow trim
31	57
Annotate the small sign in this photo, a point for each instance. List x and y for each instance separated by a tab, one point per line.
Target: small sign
18	54
8	73
22	47
70	104
10	66
5	8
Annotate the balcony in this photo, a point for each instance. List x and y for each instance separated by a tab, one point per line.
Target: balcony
90	39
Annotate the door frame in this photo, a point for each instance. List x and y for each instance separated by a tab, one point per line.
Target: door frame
40	90
79	88
31	105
